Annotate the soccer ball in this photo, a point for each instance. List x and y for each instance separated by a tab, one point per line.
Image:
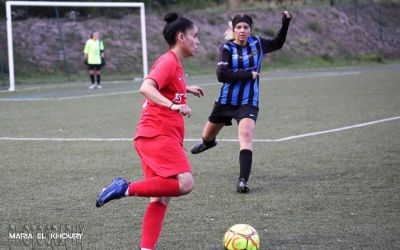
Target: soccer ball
241	237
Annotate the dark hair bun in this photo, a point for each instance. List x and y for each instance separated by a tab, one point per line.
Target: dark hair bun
170	17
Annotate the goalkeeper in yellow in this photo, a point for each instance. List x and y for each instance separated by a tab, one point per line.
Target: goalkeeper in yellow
94	58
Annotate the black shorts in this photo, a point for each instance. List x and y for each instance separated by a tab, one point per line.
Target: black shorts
225	113
94	66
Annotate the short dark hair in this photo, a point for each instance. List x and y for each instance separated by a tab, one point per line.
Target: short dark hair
92	33
175	24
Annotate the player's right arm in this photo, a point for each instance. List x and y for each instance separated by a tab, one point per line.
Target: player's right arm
86	49
149	89
226	74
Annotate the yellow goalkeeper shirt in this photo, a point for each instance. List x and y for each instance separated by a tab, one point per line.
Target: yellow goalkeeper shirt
93	49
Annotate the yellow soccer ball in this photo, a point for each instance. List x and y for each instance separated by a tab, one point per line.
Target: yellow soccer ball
241	237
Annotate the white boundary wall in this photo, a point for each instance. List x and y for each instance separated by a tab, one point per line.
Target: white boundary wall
9	4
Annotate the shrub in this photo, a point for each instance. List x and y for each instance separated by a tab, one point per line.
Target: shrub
315	26
370	57
304	41
328	58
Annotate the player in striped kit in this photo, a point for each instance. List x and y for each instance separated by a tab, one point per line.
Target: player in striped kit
238	69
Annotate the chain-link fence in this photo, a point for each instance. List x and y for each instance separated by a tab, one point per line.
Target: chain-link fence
49	41
230	5
154	6
50	48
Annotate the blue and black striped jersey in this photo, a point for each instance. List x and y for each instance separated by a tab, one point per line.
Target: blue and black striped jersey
236	64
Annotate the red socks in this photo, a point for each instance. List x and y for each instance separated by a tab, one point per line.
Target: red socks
153	218
152	224
155	187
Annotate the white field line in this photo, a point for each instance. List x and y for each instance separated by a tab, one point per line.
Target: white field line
288	138
272	78
68	97
313	75
337	129
74	84
63	139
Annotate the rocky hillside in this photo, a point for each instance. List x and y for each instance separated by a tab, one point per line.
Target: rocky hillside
324	32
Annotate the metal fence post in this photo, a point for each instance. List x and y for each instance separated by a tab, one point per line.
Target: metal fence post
66	71
2	72
380	22
356	9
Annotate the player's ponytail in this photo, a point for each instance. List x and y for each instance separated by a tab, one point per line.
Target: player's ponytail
229	35
175	24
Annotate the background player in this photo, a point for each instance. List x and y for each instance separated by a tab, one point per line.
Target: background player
238	69
94	58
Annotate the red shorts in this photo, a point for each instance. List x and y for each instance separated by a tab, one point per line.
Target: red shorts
161	156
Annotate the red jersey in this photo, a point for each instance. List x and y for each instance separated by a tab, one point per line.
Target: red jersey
157	120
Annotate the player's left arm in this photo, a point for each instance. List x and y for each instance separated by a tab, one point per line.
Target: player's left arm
102	49
270	45
195	90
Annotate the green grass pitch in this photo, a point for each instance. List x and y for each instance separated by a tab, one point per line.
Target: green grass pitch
338	190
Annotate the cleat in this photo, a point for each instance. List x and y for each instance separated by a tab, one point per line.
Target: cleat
198	148
92	86
242	186
99	86
115	190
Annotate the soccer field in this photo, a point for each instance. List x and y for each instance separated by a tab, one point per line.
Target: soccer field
326	165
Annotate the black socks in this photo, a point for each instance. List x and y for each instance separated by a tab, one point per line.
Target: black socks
98	79
92	78
245	160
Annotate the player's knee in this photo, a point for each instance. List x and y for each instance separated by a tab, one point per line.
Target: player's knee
246	135
186	187
186	184
163	200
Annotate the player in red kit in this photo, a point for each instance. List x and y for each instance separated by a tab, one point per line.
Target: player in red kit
160	132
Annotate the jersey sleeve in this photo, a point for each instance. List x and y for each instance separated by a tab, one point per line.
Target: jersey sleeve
87	47
225	73
270	45
162	72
